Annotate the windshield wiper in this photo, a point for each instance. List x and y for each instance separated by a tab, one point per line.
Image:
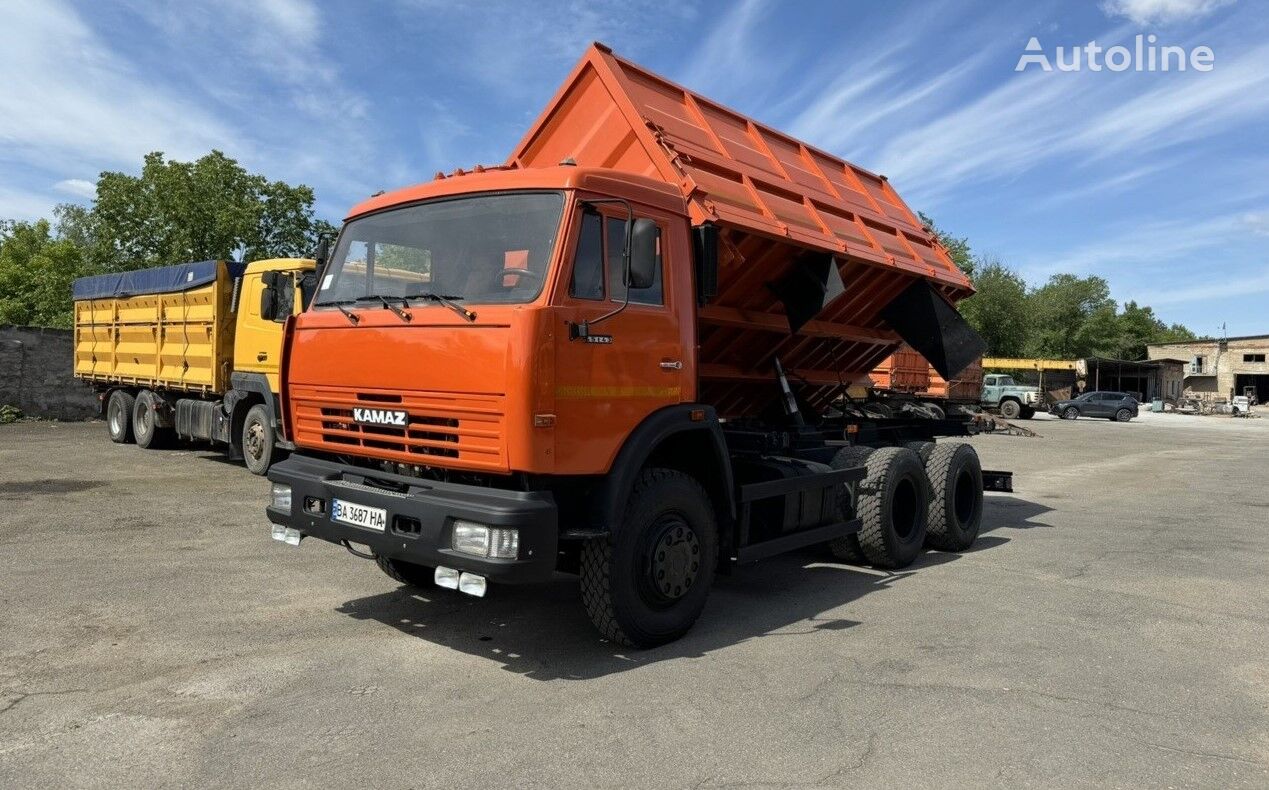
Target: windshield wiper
387	303
449	301
339	305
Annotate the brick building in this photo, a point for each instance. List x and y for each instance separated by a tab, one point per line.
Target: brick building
1219	369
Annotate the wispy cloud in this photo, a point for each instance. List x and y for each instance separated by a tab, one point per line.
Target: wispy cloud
68	99
77	187
1211	291
1151	12
1154	244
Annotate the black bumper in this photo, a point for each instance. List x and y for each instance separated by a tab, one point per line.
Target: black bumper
421	514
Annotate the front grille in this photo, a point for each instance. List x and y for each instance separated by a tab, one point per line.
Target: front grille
465	430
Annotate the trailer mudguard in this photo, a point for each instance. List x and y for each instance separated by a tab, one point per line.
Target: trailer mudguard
673	426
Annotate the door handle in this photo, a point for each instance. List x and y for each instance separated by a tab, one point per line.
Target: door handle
667	364
262	356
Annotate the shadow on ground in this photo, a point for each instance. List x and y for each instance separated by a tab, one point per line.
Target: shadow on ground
543	633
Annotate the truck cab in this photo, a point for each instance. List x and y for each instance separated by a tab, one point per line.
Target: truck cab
1011	399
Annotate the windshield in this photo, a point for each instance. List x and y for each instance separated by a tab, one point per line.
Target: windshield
484	249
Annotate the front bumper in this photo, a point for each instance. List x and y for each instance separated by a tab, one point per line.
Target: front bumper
420	519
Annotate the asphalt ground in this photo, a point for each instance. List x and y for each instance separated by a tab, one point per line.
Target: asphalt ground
1109	629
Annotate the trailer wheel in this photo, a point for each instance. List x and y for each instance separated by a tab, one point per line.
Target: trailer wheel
406	572
257	440
956	509
145	422
646	584
893	506
119	417
846	548
1010	409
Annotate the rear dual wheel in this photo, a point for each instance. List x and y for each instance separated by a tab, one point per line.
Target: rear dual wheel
119	416
147	423
956	502
891	503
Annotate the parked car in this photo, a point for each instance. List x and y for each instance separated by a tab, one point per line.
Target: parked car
1118	406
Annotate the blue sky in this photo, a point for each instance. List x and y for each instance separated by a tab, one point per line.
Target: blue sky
1158	182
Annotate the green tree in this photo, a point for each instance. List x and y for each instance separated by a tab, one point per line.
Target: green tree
182	211
36	271
999	308
957	248
1071	316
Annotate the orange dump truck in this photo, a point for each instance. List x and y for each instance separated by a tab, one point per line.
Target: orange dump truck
623	354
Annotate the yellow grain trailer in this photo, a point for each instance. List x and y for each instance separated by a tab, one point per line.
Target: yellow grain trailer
191	350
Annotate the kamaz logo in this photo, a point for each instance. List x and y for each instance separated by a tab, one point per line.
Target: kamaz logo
380	416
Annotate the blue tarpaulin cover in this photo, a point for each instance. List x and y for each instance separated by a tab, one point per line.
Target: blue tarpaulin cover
165	279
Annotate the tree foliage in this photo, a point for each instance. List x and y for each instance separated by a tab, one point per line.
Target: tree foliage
36	271
172	212
999	309
211	208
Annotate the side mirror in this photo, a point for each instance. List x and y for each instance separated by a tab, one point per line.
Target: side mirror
269	301
322	252
643	254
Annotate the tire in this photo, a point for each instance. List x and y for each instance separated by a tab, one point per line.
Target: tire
119	417
1027	413
407	572
894	501
1123	415
257	440
1010	409
646	584
956	504
1070	413
922	449
145	422
846	548
936	411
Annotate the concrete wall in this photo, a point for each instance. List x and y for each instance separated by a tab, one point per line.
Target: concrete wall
35	374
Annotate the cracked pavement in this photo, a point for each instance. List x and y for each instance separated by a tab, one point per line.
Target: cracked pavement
1109	629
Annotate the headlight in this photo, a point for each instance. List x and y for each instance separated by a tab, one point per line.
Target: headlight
480	540
281	496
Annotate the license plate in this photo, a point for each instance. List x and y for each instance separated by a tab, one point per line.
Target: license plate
375	518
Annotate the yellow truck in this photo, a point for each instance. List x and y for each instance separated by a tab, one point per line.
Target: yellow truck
191	351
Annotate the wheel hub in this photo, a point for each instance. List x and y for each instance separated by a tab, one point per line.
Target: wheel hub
675	561
255	440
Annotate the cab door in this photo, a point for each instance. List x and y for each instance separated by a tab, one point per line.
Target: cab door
257	341
633	362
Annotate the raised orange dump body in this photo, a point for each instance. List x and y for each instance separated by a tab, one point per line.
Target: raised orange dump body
903	371
774	199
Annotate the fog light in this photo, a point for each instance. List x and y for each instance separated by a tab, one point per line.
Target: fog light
479	540
446	577
472	584
282	496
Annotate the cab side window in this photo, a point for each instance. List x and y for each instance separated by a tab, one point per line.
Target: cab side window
588	265
616	267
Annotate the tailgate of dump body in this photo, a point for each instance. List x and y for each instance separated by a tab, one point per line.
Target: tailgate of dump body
775	199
